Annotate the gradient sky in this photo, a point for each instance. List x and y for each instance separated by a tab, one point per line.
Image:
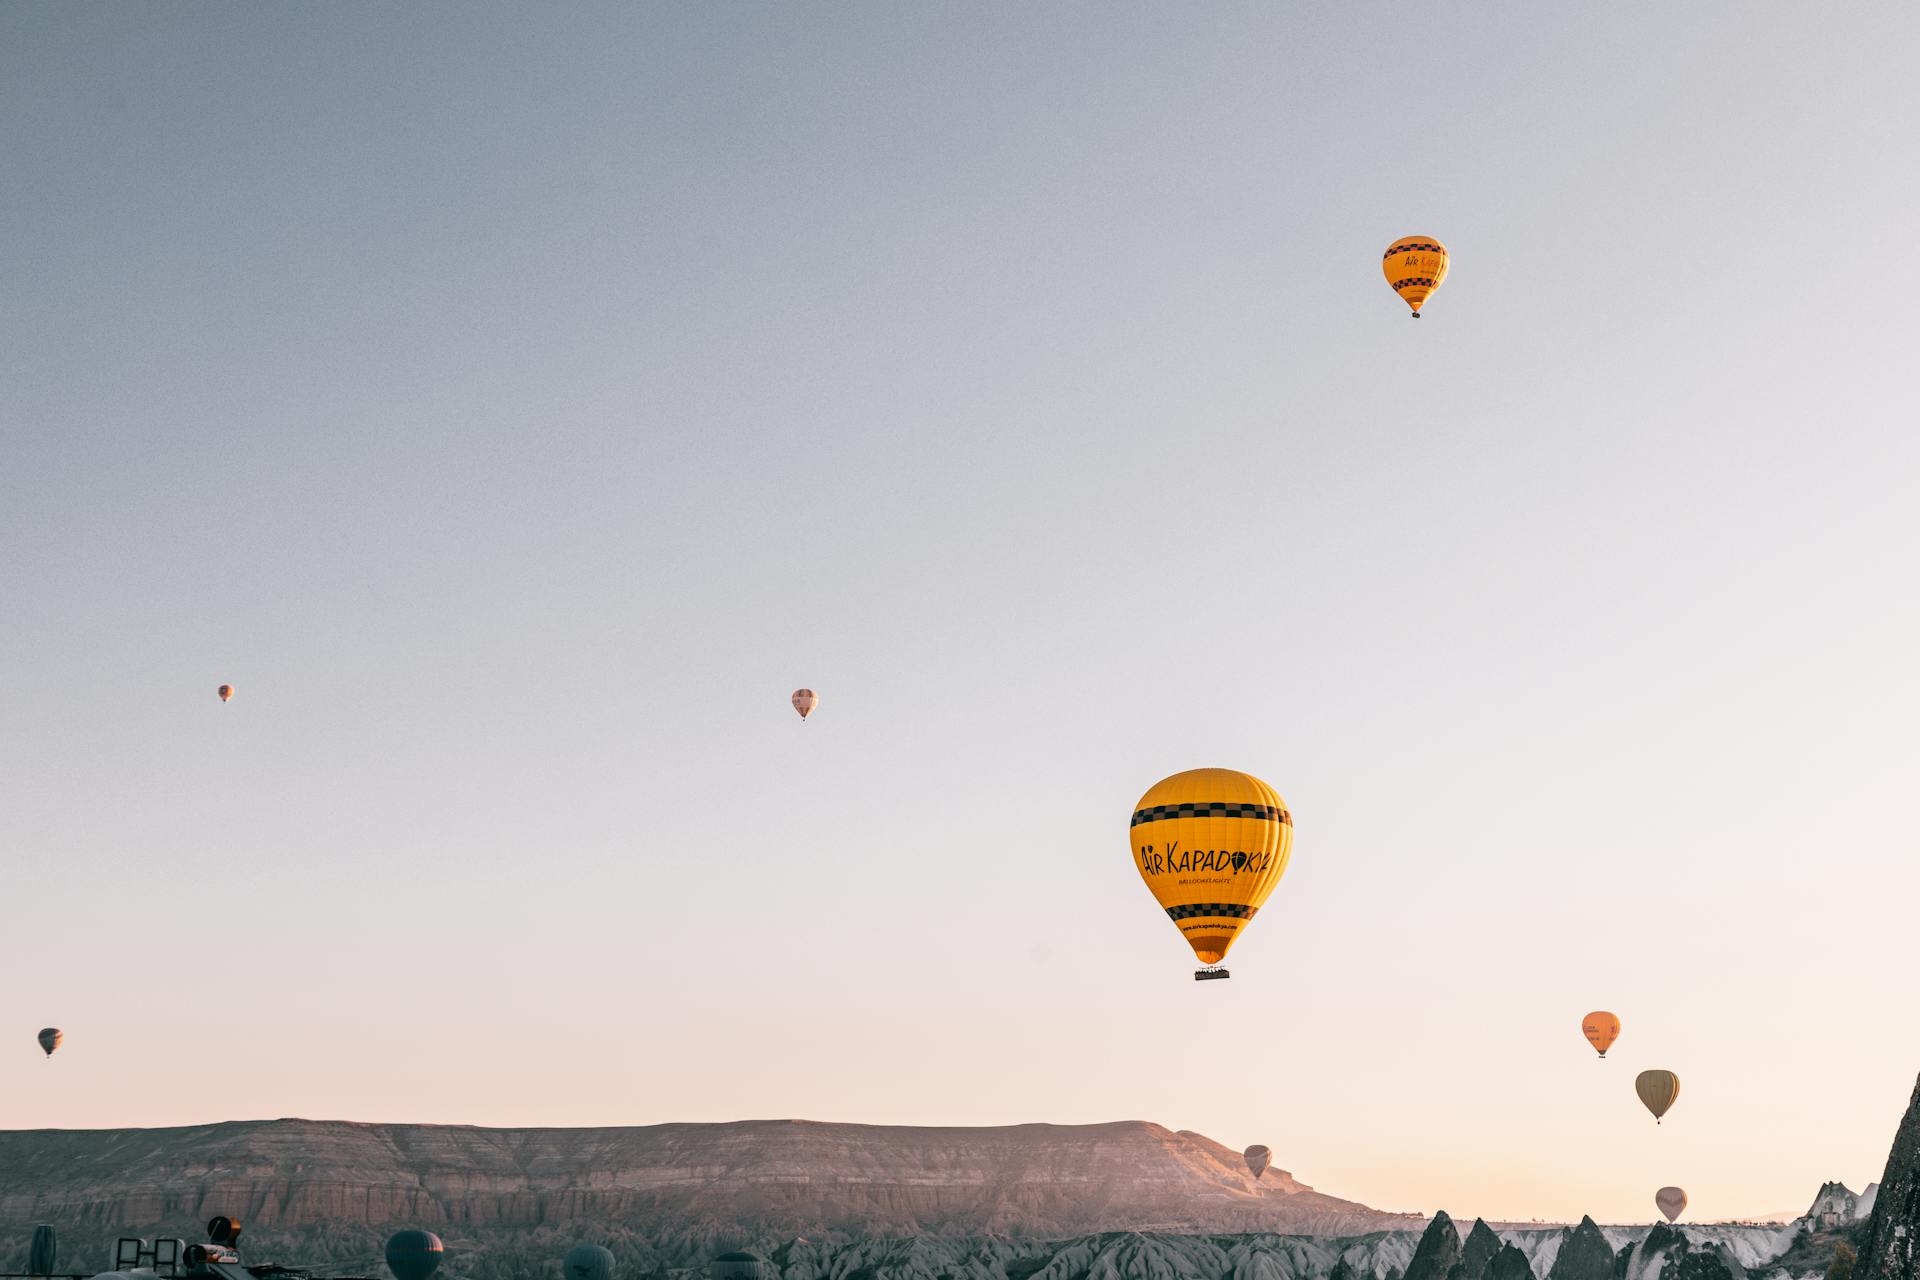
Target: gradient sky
516	402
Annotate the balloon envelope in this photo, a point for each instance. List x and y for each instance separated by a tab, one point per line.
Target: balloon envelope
588	1262
1415	266
1672	1201
413	1254
1211	844
742	1264
1258	1158
226	693
50	1039
1601	1029
804	701
1658	1090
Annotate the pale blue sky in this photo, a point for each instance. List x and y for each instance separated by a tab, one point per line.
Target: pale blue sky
516	402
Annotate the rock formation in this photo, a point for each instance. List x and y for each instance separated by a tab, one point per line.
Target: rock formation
1438	1251
1893	1231
1586	1255
1508	1264
1481	1246
1833	1207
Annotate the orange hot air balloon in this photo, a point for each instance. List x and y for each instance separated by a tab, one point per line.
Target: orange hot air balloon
1415	266
226	693
1601	1029
1211	844
804	701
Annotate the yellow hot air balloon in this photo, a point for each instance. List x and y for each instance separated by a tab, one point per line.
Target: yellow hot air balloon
804	701
226	693
1601	1029
1658	1090
1415	266
1211	844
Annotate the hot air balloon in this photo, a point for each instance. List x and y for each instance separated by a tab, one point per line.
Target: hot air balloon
1601	1029
1415	266
742	1264
1211	844
804	701
1672	1201
1658	1090
414	1254
226	693
588	1262
43	1252
1258	1158
50	1039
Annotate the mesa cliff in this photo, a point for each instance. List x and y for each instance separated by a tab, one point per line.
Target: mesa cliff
682	1185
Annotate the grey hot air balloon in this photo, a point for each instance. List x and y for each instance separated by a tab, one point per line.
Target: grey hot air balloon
1658	1090
588	1262
1672	1201
742	1264
1258	1158
50	1039
41	1255
414	1254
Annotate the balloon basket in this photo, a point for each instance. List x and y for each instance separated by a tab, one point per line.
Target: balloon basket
1210	975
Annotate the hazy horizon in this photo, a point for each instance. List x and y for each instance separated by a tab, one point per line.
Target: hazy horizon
515	408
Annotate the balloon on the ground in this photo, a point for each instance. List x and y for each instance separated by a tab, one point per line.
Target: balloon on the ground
804	701
1415	266
50	1038
43	1252
414	1254
588	1262
1601	1029
226	693
1658	1090
1672	1201
1258	1158
741	1264
1211	844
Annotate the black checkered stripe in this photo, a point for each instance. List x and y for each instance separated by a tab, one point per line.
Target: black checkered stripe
1411	281
1412	248
1230	909
1219	809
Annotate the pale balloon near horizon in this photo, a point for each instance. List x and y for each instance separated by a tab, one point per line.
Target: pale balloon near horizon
1258	1158
1672	1201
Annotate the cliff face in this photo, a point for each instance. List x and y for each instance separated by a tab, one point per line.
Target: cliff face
680	1183
1893	1231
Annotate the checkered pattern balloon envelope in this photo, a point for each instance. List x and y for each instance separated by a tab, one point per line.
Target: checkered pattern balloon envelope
1415	266
1210	845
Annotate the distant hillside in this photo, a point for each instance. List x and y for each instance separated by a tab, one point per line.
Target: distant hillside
681	1187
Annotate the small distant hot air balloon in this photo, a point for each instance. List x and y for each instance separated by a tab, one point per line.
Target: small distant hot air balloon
1211	844
1415	266
588	1262
804	701
43	1252
414	1254
1672	1201
1658	1090
226	693
1601	1029
1258	1158
50	1039
742	1264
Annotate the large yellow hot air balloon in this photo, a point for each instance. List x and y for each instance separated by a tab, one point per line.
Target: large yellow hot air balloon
1658	1090
1415	266
1601	1029
1211	844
